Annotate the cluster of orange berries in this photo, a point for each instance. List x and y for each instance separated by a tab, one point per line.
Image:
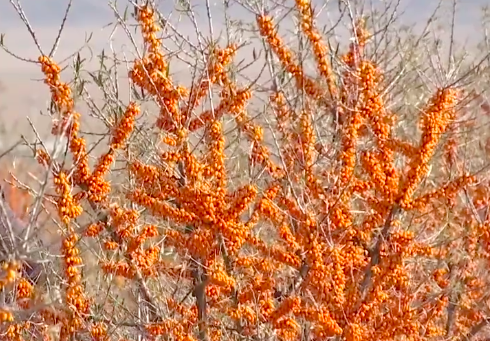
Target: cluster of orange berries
232	103
267	30
216	167
159	207
434	123
72	258
98	187
75	295
219	276
11	270
68	208
60	92
150	74
240	200
125	126
169	327
61	97
99	331
319	49
223	58
6	316
147	20
349	147
190	313
118	268
215	75
24	292
446	192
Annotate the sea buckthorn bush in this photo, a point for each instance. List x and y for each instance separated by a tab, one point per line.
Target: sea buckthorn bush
308	203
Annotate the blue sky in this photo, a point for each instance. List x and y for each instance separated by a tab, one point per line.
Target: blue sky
20	96
48	12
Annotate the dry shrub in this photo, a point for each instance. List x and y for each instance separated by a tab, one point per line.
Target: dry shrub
330	216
